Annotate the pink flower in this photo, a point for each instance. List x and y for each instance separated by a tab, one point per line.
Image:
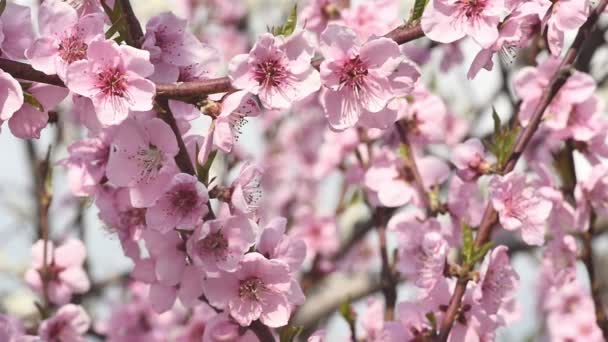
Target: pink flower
573	304
257	290
360	79
465	202
562	16
422	248
11	96
372	18
277	69
515	32
469	158
223	328
16	33
171	45
594	189
246	189
447	21
69	324
182	206
28	121
371	321
114	78
65	37
87	163
224	132
318	13
426	116
520	206
530	82
142	159
498	281
64	267
219	244
319	233
116	211
274	244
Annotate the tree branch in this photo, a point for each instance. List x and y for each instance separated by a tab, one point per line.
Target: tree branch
401	35
490	216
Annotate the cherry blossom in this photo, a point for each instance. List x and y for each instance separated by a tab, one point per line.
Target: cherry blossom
69	323
113	77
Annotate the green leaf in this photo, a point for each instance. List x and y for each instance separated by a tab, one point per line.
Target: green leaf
497	123
467	243
503	140
290	24
203	171
116	27
347	312
430	316
289	333
32	101
417	10
479	253
2	6
404	151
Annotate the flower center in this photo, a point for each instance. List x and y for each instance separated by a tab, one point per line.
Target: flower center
112	82
251	289
214	243
133	217
184	200
353	73
270	73
471	8
72	49
150	161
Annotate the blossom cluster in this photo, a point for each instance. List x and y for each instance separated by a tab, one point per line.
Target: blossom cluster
227	244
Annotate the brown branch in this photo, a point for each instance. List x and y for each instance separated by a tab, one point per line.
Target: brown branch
401	35
389	278
490	216
135	33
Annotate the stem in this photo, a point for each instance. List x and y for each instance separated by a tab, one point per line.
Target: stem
410	164
135	33
490	216
389	280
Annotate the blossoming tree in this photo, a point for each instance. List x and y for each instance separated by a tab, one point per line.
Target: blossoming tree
230	245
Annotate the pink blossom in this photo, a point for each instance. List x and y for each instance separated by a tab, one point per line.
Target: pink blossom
223	328
142	159
11	96
426	116
219	245
594	189
116	211
87	162
498	281
69	324
515	32
573	304
246	189
447	21
28	121
371	323
520	206
563	16
422	249
469	158
114	78
16	33
274	244
319	233
360	79
182	206
277	69
257	290
171	46
411	324
465	202
65	37
64	266
371	18
318	13
530	83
